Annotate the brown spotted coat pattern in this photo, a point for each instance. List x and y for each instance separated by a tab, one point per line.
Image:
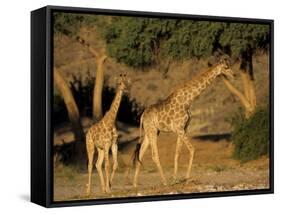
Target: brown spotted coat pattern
173	115
102	136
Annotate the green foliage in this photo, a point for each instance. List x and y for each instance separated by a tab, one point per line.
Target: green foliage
141	41
70	23
135	41
239	37
251	136
192	39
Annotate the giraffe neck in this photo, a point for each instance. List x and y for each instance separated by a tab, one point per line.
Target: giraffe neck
197	85
112	112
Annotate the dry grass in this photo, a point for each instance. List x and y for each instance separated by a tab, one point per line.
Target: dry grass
213	170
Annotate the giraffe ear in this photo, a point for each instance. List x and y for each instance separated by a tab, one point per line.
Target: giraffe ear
210	64
115	79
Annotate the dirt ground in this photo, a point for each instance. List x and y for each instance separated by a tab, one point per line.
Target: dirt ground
213	170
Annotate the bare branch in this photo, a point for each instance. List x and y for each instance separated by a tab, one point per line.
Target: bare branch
236	92
87	45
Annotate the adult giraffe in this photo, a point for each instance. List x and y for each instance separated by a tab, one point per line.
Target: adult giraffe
172	115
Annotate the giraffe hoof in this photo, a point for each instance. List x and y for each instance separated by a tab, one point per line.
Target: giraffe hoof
88	191
136	189
135	185
107	190
188	180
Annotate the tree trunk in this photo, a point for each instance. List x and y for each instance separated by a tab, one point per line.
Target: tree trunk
97	91
242	97
248	79
248	96
73	113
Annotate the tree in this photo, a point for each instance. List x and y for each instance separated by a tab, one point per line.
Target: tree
72	109
241	41
97	90
140	42
136	41
70	24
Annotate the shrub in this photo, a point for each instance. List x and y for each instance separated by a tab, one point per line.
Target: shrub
251	136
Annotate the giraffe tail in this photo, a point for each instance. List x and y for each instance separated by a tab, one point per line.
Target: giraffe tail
141	127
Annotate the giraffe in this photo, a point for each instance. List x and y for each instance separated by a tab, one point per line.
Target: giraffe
103	137
173	115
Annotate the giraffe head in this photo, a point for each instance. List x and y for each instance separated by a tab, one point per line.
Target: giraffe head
123	82
225	69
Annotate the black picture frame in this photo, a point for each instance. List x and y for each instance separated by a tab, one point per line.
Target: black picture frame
41	102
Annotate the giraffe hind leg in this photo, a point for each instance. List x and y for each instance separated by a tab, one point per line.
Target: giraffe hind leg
155	156
99	168
143	148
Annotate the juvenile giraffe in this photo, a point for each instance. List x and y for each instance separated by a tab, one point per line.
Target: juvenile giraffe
172	115
103	137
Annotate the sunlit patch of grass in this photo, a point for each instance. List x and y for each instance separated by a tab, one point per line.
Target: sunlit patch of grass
67	172
220	168
150	169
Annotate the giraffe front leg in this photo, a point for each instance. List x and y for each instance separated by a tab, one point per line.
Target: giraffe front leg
191	152
90	168
177	154
90	154
99	168
114	149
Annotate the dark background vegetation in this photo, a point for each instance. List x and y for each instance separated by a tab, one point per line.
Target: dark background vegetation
251	136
